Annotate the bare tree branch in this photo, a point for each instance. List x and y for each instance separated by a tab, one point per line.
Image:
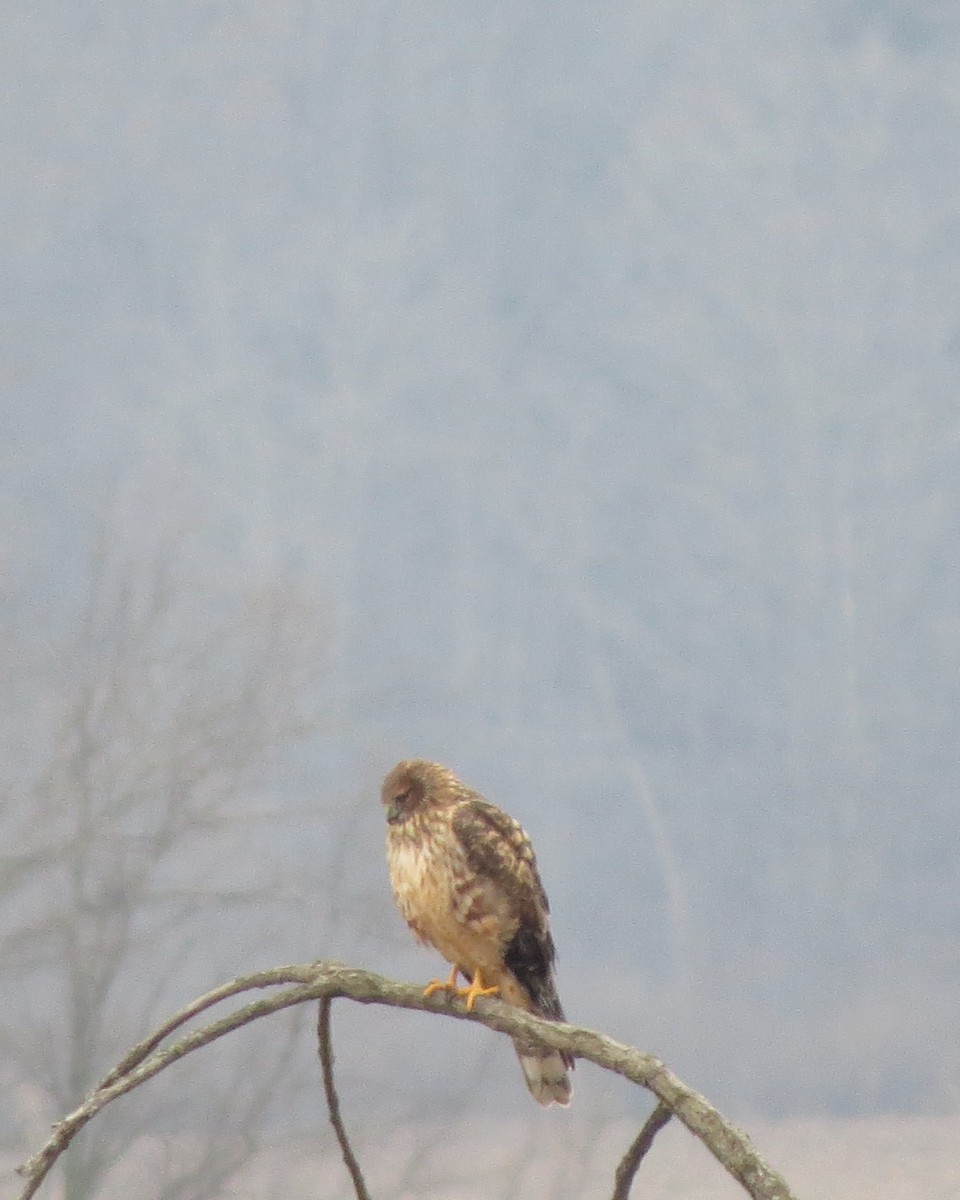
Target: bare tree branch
630	1163
316	981
325	1050
145	1066
139	1052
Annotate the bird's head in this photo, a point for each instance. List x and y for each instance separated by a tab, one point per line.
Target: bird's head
415	782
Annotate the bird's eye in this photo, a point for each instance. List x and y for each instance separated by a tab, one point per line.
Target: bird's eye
402	797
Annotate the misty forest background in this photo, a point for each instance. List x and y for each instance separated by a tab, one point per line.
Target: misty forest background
568	395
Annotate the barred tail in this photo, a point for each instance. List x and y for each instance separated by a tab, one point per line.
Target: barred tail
529	959
546	1075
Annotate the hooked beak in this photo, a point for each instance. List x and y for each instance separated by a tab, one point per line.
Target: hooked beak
394	812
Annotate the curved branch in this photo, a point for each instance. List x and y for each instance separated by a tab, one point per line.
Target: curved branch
36	1168
139	1052
729	1145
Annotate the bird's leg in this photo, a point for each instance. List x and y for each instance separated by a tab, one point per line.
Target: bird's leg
476	989
450	986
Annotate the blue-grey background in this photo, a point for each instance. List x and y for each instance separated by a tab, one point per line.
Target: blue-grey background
596	370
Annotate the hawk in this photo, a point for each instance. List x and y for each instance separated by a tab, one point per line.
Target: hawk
465	879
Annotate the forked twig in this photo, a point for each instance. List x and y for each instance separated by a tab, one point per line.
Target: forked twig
325	1050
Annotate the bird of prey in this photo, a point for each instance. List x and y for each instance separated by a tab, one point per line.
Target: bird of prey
465	879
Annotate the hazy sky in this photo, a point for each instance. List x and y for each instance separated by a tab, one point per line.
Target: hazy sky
597	374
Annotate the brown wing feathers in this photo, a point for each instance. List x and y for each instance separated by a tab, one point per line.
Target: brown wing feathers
496	846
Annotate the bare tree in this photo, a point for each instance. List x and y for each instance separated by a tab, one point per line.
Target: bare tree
150	711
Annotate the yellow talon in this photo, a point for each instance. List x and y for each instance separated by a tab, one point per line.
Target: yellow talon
476	989
438	985
468	994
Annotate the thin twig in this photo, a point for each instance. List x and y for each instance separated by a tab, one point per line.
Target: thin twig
325	1050
630	1163
135	1056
